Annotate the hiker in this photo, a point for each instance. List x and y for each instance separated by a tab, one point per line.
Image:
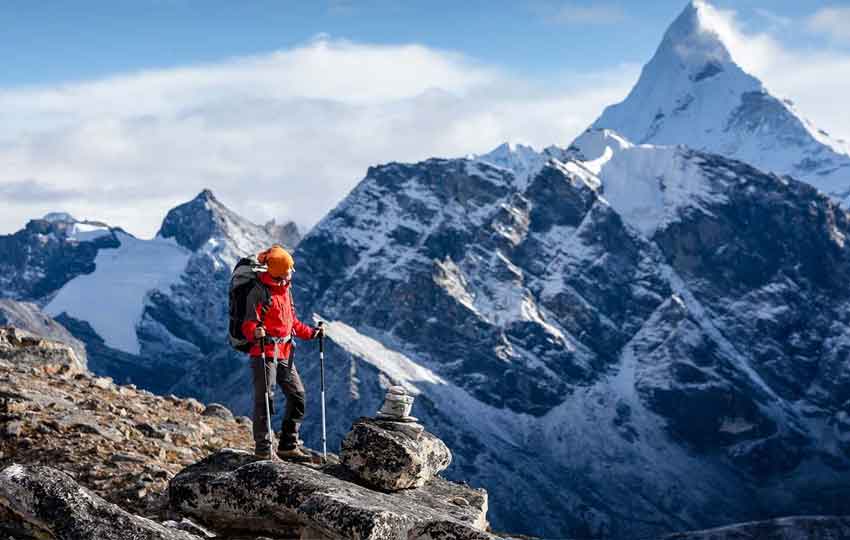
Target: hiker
270	318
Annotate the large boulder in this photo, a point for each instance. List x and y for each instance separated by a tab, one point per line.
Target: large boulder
232	490
40	502
788	528
393	455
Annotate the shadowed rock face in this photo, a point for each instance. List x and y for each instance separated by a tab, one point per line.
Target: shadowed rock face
39	501
384	457
791	528
230	489
717	335
39	259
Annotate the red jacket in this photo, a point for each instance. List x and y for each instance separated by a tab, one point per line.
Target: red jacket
280	319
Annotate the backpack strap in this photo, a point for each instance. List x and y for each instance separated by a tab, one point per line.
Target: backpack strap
267	302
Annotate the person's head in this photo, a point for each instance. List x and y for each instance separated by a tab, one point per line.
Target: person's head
278	261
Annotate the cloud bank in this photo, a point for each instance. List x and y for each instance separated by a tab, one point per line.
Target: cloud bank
284	135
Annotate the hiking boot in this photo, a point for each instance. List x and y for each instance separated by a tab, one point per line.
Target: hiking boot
263	453
294	454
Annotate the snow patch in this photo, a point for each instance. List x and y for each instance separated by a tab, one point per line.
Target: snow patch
397	366
111	299
86	232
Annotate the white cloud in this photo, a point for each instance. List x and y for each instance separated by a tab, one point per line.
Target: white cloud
832	21
283	135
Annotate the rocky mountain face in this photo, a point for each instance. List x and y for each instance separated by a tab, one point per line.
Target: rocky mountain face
791	528
692	92
651	324
38	260
582	326
150	312
82	458
286	234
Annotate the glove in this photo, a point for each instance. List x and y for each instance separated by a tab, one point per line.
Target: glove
318	332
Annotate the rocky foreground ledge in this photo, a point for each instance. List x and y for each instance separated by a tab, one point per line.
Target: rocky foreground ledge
82	458
231	489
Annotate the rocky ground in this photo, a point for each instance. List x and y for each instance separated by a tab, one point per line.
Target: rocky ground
122	443
84	458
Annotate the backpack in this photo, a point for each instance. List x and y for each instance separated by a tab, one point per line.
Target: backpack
243	279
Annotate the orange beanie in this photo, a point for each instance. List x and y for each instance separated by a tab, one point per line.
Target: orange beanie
278	260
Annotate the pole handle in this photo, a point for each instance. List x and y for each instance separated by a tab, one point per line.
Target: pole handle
321	338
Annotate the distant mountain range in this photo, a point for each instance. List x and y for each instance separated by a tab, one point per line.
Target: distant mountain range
617	339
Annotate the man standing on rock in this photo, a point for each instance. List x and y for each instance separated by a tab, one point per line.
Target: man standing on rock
270	319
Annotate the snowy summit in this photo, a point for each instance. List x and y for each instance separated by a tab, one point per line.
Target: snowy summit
692	92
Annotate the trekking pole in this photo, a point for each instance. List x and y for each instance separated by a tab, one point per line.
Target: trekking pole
268	410
322	375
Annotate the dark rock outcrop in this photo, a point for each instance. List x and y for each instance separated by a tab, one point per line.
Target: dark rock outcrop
45	255
40	502
286	234
789	528
231	489
393	455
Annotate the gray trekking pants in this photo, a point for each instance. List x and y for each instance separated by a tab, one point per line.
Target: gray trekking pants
290	382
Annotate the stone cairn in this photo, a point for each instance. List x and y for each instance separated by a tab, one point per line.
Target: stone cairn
393	451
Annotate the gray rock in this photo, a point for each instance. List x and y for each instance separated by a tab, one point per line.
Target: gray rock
45	503
88	423
447	530
218	410
28	316
190	526
231	490
151	431
388	458
124	457
13	429
103	383
25	349
788	528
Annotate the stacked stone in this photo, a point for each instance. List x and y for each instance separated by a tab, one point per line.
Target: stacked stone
392	451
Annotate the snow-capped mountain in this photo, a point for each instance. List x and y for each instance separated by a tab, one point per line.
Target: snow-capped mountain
617	339
625	341
692	92
149	311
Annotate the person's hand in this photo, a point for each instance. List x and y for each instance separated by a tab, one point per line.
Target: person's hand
259	333
319	332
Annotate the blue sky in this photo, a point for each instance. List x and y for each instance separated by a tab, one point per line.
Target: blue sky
53	41
119	110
